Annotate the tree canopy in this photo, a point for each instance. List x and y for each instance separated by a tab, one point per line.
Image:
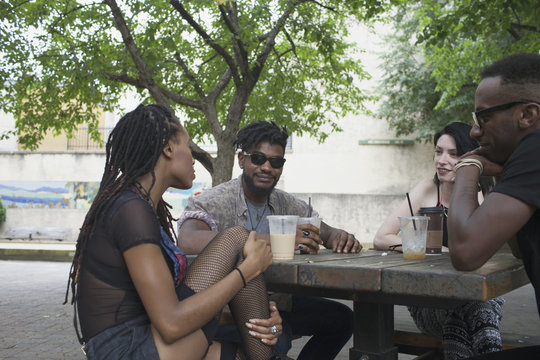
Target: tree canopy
437	52
219	64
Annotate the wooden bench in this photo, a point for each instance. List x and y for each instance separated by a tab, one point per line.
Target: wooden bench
427	347
37	233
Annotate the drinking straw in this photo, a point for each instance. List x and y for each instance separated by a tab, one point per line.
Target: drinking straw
412	212
309	207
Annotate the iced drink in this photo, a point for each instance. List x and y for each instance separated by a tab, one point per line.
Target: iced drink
413	236
282	236
313	220
282	246
435	228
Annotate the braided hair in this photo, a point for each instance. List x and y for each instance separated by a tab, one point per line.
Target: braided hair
258	132
133	149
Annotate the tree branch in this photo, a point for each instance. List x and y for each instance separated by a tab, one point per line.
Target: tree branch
220	85
323	6
286	52
228	58
525	27
189	75
125	79
67	13
144	74
182	100
232	24
293	46
19	5
202	156
514	33
270	40
166	93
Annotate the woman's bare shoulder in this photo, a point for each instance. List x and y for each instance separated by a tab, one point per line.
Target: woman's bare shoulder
425	193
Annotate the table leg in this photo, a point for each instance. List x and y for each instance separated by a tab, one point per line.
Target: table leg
373	332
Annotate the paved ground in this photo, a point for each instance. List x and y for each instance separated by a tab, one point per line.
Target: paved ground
35	325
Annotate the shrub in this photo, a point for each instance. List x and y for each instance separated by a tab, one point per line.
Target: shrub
2	213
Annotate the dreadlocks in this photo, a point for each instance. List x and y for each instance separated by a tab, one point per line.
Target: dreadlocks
255	133
132	150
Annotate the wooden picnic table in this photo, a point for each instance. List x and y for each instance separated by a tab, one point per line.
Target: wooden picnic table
376	281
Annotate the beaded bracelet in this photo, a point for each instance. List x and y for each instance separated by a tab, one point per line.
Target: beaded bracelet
242	276
467	162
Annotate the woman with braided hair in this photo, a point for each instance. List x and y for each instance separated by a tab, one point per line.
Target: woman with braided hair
133	293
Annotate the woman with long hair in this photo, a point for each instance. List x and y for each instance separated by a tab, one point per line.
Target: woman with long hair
133	292
472	328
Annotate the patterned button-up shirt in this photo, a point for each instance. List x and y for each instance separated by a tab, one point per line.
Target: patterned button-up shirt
224	206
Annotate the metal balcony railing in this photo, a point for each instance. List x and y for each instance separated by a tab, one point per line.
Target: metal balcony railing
81	139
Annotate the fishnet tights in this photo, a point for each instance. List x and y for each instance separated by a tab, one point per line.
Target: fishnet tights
218	259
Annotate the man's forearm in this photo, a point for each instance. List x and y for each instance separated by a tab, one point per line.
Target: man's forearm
463	204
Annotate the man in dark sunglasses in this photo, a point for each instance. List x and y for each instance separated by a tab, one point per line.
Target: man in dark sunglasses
247	201
507	127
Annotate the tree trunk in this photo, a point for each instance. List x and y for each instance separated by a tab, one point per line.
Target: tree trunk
224	162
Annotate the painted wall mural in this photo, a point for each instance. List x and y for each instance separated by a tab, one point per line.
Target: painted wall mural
71	194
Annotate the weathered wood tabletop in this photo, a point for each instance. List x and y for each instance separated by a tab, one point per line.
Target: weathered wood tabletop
375	282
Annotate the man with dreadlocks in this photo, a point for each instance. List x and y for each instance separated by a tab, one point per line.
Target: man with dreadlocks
247	201
131	288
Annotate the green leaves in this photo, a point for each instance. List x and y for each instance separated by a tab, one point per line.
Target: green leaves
219	64
433	69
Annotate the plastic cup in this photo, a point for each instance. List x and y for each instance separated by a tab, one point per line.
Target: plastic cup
413	236
314	220
282	236
435	228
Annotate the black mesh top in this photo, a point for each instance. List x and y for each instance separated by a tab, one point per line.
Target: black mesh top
107	295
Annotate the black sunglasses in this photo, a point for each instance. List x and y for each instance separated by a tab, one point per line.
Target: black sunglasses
258	158
478	114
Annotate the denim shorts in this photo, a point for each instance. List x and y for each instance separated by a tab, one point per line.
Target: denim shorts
133	339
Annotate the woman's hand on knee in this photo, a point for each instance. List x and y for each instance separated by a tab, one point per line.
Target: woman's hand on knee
258	256
268	330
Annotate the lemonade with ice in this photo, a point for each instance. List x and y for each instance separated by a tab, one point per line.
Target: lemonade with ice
413	236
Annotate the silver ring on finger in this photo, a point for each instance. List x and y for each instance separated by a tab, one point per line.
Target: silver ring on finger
274	330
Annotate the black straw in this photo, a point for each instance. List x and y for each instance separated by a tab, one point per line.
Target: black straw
412	212
309	207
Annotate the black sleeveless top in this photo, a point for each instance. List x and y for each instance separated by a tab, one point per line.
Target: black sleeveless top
445	210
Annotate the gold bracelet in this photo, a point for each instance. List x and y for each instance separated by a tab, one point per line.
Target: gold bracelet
467	162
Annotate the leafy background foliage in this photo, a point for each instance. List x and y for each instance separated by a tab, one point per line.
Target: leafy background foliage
437	53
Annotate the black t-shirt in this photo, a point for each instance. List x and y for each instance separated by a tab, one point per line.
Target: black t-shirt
107	295
520	179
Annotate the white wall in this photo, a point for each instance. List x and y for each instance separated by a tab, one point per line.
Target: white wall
7	123
51	165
